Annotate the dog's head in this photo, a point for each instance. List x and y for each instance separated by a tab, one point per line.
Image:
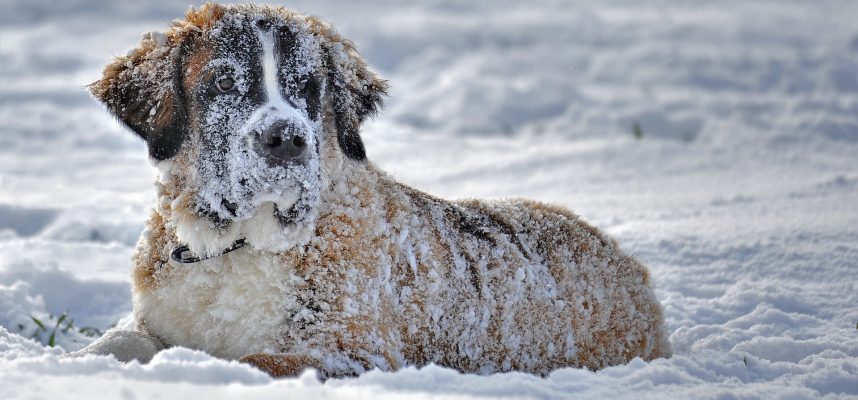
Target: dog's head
242	109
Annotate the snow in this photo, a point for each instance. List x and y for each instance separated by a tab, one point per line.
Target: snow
739	195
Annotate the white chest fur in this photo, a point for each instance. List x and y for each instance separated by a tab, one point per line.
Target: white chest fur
228	306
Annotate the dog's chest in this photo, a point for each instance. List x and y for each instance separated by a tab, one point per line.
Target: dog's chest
229	306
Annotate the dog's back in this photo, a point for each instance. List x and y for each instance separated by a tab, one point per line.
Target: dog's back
522	286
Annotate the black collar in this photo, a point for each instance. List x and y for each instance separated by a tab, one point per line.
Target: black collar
182	253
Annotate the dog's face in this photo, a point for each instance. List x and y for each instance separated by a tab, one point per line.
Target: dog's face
239	107
254	89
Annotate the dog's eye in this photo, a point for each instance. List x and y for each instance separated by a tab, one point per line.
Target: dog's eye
302	85
226	84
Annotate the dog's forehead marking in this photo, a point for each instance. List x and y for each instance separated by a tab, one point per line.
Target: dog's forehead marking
270	68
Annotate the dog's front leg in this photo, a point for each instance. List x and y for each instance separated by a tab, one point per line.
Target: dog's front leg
281	364
124	345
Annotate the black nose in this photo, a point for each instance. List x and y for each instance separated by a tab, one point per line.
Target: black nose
281	142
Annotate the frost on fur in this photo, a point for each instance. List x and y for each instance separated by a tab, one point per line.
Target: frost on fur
210	154
394	277
345	269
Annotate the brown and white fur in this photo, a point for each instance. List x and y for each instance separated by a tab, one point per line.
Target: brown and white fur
346	270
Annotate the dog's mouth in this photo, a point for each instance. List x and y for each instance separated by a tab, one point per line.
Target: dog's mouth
286	213
268	221
289	216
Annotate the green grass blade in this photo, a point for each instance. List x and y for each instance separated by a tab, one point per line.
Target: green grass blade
39	323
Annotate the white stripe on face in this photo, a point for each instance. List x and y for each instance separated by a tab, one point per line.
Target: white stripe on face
269	67
275	106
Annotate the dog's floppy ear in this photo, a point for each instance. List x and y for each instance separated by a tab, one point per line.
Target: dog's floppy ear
357	93
144	91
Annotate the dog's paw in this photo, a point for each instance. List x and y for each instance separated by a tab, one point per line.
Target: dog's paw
280	365
124	345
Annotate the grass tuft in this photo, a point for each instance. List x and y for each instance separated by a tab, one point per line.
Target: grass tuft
64	325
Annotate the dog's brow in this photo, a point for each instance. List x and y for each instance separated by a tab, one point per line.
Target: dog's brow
197	62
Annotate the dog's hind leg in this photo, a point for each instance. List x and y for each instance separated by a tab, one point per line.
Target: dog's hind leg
281	364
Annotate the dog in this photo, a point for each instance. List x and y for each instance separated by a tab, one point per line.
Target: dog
274	241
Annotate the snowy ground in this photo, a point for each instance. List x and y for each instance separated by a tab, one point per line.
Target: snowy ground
739	191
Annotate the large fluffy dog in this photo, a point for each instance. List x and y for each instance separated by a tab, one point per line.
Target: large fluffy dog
274	241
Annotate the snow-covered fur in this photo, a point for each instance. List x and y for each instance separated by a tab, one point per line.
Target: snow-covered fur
345	269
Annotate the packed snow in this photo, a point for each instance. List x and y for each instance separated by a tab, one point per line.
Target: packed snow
716	141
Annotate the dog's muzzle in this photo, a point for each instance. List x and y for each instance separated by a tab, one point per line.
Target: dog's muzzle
266	162
281	143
